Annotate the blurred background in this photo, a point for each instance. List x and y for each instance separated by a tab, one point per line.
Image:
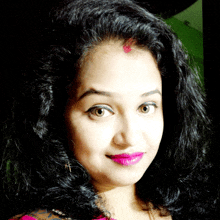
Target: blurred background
188	25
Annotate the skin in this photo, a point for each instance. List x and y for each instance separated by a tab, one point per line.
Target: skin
117	108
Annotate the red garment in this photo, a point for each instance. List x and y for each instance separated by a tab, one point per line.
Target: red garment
100	218
26	217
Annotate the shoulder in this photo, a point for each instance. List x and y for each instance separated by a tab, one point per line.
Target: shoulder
38	215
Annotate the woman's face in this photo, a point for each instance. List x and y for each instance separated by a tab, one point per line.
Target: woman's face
115	119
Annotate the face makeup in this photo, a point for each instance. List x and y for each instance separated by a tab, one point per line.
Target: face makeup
127	159
116	119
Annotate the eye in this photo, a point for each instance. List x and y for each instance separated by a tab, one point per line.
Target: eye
147	108
100	111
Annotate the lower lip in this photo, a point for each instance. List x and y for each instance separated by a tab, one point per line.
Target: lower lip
126	159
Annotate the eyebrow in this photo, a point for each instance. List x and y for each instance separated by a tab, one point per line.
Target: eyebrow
93	91
151	93
109	94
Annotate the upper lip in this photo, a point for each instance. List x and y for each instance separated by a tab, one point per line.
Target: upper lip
126	155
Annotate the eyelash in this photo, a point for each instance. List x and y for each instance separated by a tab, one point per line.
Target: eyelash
93	110
149	105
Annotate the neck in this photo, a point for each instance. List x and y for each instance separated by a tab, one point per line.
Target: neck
123	203
119	199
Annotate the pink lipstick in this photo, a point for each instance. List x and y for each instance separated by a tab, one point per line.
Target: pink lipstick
127	159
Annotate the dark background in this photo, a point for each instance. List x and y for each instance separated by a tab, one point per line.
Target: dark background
211	42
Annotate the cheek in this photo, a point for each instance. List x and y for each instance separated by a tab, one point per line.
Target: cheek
154	132
157	130
153	138
91	144
89	140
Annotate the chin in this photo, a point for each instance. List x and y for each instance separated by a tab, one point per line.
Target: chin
120	180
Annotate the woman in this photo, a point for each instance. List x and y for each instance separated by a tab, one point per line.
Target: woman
110	122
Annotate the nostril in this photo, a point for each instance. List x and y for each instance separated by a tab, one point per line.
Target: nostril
122	140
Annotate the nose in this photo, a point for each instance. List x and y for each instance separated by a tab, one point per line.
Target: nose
128	131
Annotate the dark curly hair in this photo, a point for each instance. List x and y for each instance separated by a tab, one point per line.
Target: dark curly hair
36	146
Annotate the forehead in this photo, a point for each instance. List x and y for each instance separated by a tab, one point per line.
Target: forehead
108	66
